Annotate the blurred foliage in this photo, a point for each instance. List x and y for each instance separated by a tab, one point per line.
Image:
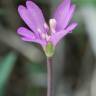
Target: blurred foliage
6	67
2	12
36	68
78	2
84	2
34	91
38	1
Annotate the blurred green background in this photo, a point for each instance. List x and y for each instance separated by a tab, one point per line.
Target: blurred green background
23	65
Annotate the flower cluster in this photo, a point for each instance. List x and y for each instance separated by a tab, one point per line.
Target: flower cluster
47	35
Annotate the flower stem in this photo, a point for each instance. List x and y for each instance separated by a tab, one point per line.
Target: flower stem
49	76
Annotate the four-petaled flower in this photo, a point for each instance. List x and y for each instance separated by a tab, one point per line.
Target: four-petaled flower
40	32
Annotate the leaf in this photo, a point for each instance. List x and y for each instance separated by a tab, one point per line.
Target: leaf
6	66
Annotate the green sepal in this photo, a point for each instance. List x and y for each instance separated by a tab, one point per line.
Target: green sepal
49	49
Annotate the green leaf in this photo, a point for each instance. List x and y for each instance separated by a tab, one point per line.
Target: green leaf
6	66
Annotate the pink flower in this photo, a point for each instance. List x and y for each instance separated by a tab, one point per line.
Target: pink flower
40	32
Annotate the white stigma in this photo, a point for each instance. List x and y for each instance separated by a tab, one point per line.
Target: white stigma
46	26
48	37
43	36
52	23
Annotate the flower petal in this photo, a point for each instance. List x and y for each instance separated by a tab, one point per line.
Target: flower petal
41	42
36	15
71	27
69	15
27	39
61	13
25	15
55	38
28	36
25	32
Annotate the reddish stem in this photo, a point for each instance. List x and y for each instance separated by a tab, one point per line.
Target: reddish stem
49	76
